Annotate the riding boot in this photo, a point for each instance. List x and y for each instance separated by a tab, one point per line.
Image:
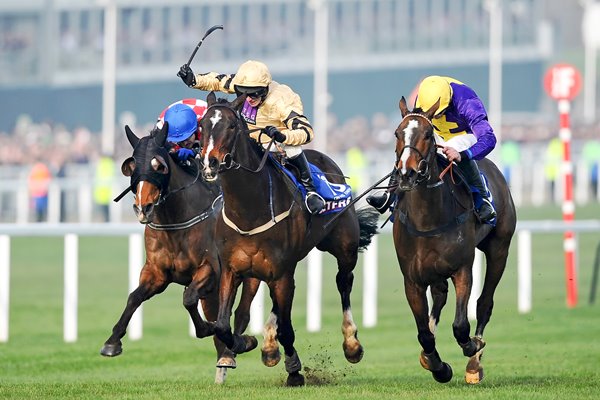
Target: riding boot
471	173
383	201
314	202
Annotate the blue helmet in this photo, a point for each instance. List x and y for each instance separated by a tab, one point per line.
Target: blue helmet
183	122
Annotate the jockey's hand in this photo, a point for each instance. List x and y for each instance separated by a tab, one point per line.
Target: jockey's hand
451	154
187	75
274	133
184	154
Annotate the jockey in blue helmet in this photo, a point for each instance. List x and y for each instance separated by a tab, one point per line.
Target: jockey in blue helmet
183	134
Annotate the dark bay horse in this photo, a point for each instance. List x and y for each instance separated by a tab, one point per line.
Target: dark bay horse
179	211
435	235
264	230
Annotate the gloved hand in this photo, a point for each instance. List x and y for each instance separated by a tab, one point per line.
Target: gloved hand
184	154
187	75
274	133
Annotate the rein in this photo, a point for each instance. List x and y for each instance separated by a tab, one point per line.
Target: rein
189	223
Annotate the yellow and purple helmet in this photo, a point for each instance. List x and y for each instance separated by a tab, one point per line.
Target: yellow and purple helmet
432	89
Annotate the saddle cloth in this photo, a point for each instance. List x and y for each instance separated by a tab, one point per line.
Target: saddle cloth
336	195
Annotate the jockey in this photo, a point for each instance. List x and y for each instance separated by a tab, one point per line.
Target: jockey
273	107
462	128
183	136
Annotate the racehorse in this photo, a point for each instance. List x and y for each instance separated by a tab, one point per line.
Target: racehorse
179	211
264	230
435	234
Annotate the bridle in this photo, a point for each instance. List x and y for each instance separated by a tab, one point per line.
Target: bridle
228	162
423	170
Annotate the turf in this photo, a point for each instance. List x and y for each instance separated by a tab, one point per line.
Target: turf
551	353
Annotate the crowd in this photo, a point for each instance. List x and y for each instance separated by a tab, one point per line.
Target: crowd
61	150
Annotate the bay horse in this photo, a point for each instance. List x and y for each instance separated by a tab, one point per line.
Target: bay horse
264	230
435	235
179	211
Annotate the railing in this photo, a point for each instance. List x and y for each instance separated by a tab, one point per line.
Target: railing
71	232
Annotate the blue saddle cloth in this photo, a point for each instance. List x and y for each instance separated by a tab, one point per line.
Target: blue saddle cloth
336	195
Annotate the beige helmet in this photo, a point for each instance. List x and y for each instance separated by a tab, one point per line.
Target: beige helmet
431	89
251	74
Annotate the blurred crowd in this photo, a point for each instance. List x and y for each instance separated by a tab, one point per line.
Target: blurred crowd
47	150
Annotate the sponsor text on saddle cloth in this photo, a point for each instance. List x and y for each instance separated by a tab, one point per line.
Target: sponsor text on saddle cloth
336	195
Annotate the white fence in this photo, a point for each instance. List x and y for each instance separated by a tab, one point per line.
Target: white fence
71	233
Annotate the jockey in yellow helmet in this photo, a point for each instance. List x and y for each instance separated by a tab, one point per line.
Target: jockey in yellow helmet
271	106
461	126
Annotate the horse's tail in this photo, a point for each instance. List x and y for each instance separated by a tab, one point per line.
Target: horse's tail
368	219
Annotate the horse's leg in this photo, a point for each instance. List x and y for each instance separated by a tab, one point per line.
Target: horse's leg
353	350
152	281
270	348
496	255
241	320
429	359
439	293
283	294
202	283
227	290
471	345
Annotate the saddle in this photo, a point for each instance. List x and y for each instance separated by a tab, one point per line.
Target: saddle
336	195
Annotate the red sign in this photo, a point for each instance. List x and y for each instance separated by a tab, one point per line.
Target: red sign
562	82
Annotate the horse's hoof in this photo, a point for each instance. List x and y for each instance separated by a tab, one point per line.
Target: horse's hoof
295	379
474	371
220	376
474	377
251	342
444	374
271	359
111	350
354	355
226	362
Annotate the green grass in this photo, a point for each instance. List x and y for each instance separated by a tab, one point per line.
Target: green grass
551	353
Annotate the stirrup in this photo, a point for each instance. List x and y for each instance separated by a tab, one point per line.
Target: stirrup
310	203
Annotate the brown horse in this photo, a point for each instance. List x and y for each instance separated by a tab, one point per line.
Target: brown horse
435	235
264	230
179	211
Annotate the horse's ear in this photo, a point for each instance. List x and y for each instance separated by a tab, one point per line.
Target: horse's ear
161	137
133	139
128	166
403	107
211	98
432	110
238	102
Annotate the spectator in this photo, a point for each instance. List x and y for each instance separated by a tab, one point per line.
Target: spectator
39	181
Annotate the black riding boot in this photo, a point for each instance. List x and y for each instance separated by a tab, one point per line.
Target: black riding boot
314	202
383	201
471	172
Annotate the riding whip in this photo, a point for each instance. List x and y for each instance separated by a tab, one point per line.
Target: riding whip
208	32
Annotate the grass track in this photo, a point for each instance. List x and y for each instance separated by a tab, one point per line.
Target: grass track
551	353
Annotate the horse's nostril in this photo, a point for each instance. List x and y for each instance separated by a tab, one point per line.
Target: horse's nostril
136	210
213	163
148	208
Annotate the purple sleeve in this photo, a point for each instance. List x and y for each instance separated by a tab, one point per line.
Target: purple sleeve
475	116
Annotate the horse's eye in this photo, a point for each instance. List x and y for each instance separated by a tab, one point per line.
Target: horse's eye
232	125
